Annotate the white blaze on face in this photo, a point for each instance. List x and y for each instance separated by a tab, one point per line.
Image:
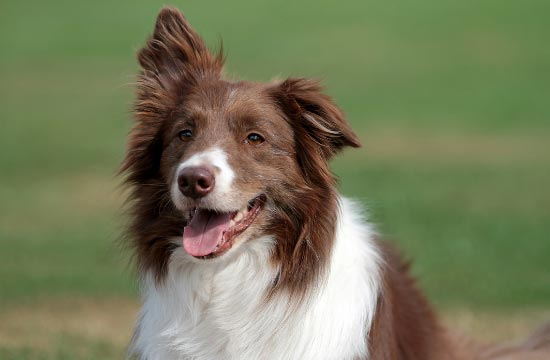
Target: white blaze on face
216	160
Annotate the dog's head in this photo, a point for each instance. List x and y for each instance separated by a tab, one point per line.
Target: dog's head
221	163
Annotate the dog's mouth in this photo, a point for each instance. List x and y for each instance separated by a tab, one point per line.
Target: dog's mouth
209	233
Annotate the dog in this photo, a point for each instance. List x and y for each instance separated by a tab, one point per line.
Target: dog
244	247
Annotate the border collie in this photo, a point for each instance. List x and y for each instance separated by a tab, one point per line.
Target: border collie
245	248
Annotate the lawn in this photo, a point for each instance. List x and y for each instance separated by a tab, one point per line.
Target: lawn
451	101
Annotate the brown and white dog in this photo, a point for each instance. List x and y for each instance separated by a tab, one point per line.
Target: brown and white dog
245	248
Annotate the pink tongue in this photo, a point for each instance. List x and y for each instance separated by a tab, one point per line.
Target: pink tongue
202	235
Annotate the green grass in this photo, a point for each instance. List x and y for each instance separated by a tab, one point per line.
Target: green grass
451	100
67	348
478	235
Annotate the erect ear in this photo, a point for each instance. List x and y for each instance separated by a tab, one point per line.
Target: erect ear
317	115
174	58
176	49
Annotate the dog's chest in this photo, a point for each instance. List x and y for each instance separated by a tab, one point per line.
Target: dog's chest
242	328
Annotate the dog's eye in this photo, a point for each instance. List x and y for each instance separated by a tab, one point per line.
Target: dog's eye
185	135
254	139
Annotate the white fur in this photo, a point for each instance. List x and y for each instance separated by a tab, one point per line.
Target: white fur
221	197
216	310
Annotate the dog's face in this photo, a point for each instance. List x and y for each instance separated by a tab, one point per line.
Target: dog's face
224	162
228	152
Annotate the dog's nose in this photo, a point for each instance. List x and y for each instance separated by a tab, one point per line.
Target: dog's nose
196	181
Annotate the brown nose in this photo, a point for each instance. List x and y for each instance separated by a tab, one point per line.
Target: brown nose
196	181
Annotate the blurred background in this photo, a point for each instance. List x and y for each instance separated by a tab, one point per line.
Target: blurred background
450	98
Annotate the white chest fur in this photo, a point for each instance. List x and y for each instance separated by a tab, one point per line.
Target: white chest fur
218	310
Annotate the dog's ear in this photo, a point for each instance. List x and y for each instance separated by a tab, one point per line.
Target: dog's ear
175	49
174	59
315	115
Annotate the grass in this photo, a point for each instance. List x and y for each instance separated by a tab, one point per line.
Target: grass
67	328
449	98
486	211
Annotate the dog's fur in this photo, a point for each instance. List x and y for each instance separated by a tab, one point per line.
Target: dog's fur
307	278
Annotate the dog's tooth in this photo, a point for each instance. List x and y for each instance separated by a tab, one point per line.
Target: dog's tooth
238	217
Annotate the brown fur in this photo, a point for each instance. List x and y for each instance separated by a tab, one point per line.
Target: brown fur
405	326
181	86
305	228
163	82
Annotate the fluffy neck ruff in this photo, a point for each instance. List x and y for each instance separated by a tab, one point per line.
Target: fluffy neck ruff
219	311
